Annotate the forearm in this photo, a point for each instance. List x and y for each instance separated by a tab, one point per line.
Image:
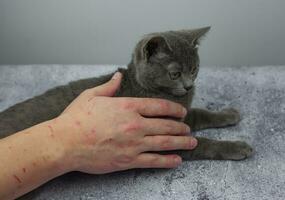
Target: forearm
30	158
95	134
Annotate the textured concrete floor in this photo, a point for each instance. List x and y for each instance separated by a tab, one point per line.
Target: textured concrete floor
259	94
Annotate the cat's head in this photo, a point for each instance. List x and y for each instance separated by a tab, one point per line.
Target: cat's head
168	61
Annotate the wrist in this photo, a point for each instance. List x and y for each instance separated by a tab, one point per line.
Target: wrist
38	156
64	140
52	137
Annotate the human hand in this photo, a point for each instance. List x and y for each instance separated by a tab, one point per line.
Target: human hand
103	134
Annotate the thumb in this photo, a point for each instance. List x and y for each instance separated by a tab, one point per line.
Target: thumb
109	88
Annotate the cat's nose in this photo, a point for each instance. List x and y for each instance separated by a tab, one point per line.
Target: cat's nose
188	87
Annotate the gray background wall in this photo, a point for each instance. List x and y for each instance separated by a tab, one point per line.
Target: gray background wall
244	32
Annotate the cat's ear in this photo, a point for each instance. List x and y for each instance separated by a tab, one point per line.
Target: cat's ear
198	34
149	46
194	35
154	45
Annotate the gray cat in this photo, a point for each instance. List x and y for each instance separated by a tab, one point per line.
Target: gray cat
164	65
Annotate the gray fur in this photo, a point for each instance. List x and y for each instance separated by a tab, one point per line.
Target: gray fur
164	65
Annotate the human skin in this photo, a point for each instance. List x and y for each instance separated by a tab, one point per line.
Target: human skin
96	134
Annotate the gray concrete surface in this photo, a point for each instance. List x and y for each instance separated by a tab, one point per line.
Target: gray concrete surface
259	94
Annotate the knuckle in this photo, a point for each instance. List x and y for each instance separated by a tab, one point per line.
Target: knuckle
171	161
177	127
164	105
165	142
185	128
169	127
187	142
132	126
154	161
181	128
124	159
127	104
133	146
182	111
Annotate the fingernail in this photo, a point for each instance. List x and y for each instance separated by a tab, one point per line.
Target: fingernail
116	75
193	143
177	160
188	130
184	111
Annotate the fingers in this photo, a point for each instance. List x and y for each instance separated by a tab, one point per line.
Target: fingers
155	126
165	143
156	107
151	160
109	88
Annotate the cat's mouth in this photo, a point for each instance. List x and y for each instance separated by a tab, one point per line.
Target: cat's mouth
179	91
175	91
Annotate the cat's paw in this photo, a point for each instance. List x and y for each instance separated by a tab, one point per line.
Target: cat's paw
231	116
238	150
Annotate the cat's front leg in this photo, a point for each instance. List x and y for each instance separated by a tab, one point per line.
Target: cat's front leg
209	149
199	119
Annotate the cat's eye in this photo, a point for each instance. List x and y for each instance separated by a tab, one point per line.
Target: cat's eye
174	75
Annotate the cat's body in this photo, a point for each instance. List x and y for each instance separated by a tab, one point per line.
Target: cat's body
145	76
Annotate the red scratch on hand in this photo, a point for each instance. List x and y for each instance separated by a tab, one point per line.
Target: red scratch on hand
77	123
50	128
17	178
90	98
